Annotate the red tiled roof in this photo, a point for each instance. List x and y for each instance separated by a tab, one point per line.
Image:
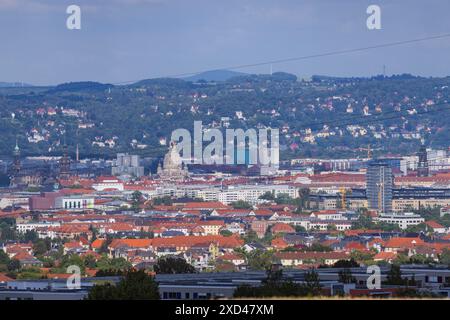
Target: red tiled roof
189	241
230	256
385	256
311	255
434	225
279	243
205	205
282	228
4	278
97	243
406	243
134	243
23	255
72	244
355	246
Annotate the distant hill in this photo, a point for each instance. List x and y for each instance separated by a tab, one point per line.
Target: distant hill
328	117
81	86
166	82
215	75
14	84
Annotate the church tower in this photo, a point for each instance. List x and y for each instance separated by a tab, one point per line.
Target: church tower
16	161
64	165
16	167
172	168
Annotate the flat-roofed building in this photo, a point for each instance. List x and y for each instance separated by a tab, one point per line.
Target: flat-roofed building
403	220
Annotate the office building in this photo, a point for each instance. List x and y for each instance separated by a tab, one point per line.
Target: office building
379	186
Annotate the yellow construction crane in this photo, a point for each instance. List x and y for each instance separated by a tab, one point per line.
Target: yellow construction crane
343	191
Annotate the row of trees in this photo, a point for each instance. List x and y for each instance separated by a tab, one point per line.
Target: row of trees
276	286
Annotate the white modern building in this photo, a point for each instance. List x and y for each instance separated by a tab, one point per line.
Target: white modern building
29	226
403	220
108	184
251	193
75	202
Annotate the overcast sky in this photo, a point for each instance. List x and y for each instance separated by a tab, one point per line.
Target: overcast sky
123	40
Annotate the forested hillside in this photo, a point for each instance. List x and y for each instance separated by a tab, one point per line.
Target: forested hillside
327	116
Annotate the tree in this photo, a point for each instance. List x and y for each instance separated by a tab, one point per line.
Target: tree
318	247
115	263
444	257
172	265
136	285
7	229
109	273
312	283
267	196
346	264
4	258
364	222
275	286
345	276
283	198
304	194
299	228
422	227
414	293
31	236
251	236
394	276
273	276
90	261
166	200
136	200
241	204
361	256
389	227
40	247
331	227
72	259
259	259
105	244
14	265
226	233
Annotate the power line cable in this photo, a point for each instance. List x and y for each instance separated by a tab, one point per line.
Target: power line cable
306	57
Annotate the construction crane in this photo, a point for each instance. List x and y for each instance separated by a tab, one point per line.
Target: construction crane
343	192
369	151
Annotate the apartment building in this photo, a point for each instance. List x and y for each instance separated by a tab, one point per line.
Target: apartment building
252	193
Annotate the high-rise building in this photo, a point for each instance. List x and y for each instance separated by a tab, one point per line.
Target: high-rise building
422	167
379	186
126	164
